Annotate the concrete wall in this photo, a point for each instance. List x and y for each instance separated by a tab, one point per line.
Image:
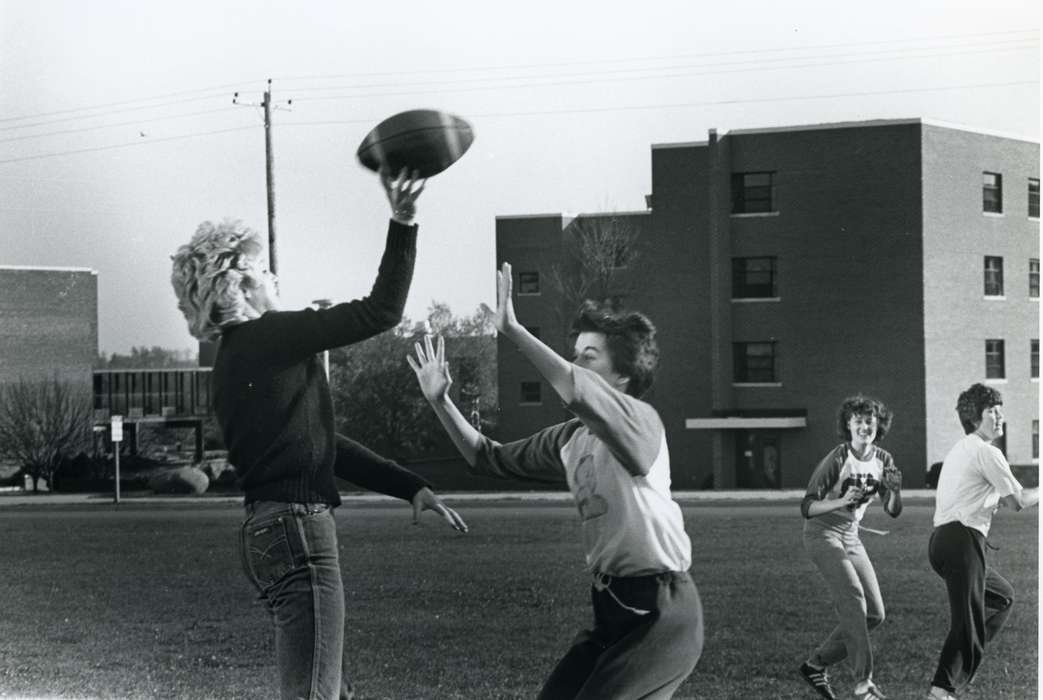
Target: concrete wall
957	316
48	323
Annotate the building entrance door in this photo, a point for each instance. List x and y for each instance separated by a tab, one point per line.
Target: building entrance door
758	460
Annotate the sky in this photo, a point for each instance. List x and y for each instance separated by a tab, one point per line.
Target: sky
118	133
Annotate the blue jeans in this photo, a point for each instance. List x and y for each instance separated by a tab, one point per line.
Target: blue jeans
289	553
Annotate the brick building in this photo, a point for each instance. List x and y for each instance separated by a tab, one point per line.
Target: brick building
787	268
48	322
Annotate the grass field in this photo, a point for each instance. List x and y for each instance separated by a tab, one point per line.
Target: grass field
148	601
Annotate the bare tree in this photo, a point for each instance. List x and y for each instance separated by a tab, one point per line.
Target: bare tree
42	422
597	250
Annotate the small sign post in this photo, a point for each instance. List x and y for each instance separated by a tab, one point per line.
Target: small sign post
116	435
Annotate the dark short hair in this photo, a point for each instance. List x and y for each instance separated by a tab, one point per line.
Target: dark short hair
861	405
973	402
631	340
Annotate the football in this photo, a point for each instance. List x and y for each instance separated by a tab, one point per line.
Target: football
425	140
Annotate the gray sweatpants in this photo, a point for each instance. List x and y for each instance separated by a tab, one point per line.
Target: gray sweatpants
845	566
647	638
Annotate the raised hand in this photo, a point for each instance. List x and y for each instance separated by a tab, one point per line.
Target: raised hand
503	317
402	192
425	499
891	478
431	369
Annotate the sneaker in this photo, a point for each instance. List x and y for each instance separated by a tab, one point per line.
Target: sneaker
931	695
870	693
817	679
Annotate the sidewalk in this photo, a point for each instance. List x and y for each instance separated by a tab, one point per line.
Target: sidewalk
70	499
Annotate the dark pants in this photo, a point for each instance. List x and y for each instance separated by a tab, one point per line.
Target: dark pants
980	601
643	652
289	553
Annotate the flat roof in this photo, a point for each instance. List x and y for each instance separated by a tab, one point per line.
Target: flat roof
567	216
48	268
530	216
869	123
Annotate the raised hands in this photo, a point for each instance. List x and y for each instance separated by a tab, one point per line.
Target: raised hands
432	371
504	318
402	192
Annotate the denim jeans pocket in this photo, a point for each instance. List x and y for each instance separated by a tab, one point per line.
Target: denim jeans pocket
268	552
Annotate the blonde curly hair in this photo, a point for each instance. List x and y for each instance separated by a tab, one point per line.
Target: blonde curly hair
210	273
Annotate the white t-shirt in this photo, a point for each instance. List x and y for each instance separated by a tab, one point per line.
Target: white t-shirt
841	469
631	524
975	476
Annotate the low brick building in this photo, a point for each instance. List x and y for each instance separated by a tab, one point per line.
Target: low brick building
48	323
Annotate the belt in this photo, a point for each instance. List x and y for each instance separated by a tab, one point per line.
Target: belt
603	582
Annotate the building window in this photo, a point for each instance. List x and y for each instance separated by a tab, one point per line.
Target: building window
1034	278
754	278
753	193
1034	358
1034	197
993	276
754	362
1035	439
994	366
992	192
531	393
529	283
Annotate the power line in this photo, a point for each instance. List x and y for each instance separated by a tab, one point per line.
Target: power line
136	122
124	110
704	54
683	74
125	145
126	102
461	69
997	46
579	110
705	103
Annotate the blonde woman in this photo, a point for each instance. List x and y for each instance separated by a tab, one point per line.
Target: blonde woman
273	403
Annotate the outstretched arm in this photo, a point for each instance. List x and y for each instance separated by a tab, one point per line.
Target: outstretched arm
535	458
432	371
552	366
362	466
1026	498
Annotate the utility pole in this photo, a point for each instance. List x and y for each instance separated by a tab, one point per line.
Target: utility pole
269	159
269	177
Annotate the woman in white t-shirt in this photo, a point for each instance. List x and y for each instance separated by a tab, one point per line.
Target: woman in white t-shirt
840	489
974	482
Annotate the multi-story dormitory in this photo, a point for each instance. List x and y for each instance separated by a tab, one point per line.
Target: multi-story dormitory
787	268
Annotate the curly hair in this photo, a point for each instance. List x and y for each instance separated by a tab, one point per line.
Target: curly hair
975	401
862	405
631	340
209	274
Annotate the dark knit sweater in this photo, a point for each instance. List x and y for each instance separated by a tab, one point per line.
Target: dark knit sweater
273	402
